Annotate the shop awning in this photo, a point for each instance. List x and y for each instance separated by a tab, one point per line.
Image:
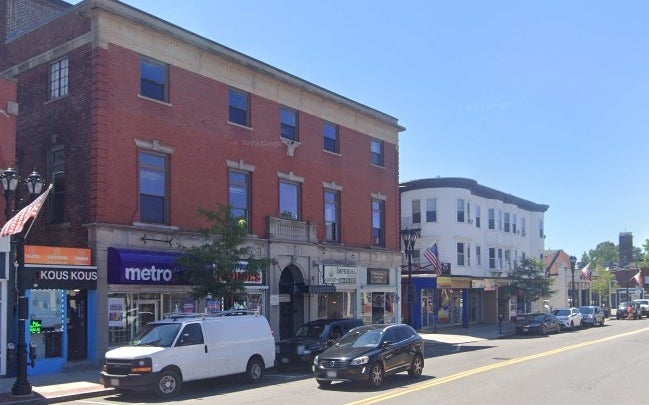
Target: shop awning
320	288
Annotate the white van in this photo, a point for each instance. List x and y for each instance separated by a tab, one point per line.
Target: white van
184	348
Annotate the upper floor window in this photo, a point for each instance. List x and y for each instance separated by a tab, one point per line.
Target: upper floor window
332	215
376	148
331	142
431	210
460	254
289	200
239	189
492	258
514	223
153	188
491	218
500	220
460	210
523	228
478	255
57	173
541	234
239	107
416	211
154	79
59	79
288	118
378	223
507	221
477	216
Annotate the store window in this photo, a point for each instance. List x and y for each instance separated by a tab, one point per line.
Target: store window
337	305
47	317
378	307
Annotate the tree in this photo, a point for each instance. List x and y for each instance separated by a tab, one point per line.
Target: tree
217	267
606	254
601	281
527	282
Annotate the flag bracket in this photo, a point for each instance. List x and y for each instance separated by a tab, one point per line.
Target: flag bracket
144	239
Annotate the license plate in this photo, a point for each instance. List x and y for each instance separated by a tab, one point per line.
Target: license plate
284	360
114	382
525	329
331	374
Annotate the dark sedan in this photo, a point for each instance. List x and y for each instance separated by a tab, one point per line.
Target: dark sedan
369	353
540	324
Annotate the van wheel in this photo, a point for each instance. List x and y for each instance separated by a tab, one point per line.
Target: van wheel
168	384
324	383
255	370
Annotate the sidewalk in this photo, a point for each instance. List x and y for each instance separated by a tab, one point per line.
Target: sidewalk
71	385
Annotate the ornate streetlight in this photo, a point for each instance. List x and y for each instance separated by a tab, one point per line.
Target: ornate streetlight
573	263
9	180
409	237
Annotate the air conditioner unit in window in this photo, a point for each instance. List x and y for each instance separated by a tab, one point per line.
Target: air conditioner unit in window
470	221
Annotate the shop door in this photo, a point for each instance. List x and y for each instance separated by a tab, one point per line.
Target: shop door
77	310
147	311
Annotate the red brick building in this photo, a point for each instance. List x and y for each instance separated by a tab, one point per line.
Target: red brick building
138	123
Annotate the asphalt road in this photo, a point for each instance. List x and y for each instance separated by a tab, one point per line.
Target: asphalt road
601	365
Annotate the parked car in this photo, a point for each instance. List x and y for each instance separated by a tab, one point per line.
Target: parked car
310	340
369	353
628	310
167	353
644	306
537	323
592	315
570	318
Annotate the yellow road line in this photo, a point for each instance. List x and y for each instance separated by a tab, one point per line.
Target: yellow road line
463	374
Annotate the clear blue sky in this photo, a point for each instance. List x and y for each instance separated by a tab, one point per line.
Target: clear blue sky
547	101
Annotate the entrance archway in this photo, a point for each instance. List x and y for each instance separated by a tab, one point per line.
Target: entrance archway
291	305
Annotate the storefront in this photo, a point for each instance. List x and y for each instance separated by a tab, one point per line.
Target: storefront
61	288
145	285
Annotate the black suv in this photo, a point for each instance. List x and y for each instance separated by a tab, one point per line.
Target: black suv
369	353
628	310
310	340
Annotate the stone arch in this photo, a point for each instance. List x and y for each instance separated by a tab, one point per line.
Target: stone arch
291	306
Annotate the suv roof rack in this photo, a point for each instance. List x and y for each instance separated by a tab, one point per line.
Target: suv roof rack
202	315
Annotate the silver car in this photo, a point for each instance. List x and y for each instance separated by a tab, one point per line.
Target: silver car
592	315
570	318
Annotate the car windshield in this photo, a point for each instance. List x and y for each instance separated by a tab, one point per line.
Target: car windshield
361	338
310	331
625	304
586	310
562	312
157	334
539	318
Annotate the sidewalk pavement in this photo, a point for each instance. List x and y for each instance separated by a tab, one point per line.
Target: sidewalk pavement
84	383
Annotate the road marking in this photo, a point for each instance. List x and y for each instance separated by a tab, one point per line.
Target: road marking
468	373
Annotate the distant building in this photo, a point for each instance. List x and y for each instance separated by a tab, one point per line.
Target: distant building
481	234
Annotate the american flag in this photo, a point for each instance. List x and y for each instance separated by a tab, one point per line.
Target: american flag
638	278
586	272
17	222
433	257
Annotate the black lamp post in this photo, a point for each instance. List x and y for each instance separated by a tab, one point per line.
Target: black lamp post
409	237
573	262
9	180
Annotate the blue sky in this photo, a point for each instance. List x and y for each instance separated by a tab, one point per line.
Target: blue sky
547	101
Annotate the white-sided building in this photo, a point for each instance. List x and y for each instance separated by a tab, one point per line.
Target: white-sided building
481	234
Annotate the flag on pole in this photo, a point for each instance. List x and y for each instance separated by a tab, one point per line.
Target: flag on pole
17	222
586	272
433	257
638	278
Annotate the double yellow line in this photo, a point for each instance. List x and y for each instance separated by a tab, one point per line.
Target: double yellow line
474	371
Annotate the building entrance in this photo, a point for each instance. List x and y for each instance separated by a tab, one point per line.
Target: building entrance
77	310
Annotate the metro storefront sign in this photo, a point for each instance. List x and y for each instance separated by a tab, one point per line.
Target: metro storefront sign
144	267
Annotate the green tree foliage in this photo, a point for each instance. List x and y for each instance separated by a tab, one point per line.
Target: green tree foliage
214	268
606	254
601	281
527	282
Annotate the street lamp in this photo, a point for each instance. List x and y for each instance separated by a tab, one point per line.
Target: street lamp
409	237
573	262
9	180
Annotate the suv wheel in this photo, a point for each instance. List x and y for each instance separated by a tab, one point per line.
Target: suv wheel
376	375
